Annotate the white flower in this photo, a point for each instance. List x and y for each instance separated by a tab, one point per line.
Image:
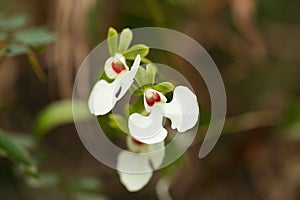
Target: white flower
183	111
146	159
105	95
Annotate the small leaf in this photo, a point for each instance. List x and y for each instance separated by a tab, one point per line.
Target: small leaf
133	51
85	184
44	180
16	49
141	77
89	196
164	87
151	71
125	40
112	41
137	106
14	150
14	22
35	36
59	113
119	122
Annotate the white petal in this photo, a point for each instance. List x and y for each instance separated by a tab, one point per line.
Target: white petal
160	136
134	182
157	155
183	110
104	95
128	78
127	161
102	98
162	97
108	65
147	129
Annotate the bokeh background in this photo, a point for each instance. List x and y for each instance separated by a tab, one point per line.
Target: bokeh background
255	44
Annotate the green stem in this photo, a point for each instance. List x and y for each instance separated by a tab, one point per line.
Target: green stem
36	67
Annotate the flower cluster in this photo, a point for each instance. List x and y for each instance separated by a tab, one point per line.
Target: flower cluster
146	129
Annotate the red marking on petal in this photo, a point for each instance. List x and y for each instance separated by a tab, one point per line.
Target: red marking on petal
118	66
153	99
136	142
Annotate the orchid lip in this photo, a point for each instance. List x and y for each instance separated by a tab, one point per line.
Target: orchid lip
105	95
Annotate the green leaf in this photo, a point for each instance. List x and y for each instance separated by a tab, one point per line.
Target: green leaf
125	40
15	151
35	36
85	184
3	36
112	41
151	71
59	113
290	122
89	196
14	22
26	140
135	90
118	122
44	180
137	106
133	51
141	77
164	87
16	49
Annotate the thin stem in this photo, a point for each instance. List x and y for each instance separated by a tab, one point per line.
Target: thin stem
36	67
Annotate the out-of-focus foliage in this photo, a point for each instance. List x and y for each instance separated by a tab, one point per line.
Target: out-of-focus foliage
14	150
59	113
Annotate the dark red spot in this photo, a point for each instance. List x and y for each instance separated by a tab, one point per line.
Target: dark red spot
118	66
136	142
155	98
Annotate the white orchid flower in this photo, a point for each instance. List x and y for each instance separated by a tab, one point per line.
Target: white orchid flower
141	161
105	95
183	111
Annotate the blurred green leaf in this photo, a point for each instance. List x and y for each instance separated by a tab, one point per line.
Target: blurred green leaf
291	120
112	41
59	113
137	106
135	90
89	196
85	184
35	36
3	36
44	180
141	77
125	40
26	140
14	22
16	49
12	149
133	51
118	122
164	87
151	71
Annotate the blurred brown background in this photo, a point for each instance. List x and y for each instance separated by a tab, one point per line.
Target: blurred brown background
255	44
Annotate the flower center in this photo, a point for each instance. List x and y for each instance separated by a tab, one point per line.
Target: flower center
118	66
152	97
136	142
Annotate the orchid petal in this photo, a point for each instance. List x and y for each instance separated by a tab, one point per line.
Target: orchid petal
127	161
162	97
158	153
109	71
147	129
104	95
183	110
